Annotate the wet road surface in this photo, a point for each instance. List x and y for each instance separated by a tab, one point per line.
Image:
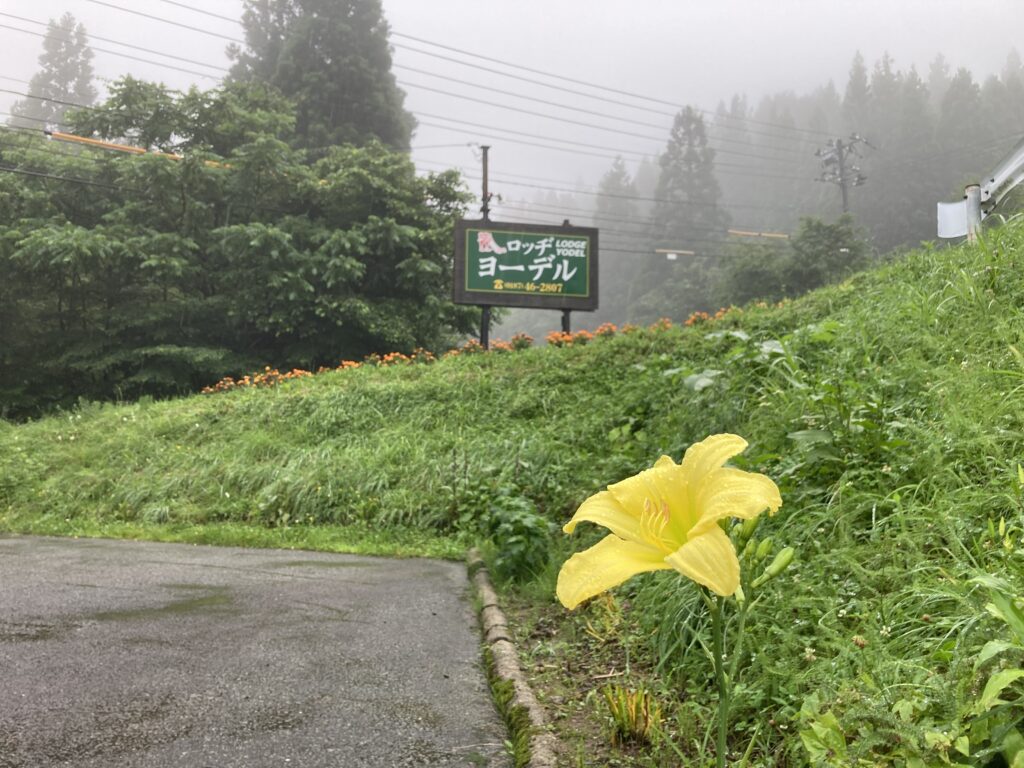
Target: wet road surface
117	653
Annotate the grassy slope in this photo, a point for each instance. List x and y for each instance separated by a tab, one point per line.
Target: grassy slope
888	409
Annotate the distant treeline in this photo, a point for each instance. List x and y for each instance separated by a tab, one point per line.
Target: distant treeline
757	168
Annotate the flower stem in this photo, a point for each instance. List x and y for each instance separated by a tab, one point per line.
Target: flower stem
718	638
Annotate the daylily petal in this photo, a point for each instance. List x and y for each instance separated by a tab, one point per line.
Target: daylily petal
709	559
603	509
729	492
709	454
606	564
663	484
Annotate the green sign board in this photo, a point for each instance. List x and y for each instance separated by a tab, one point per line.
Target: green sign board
525	265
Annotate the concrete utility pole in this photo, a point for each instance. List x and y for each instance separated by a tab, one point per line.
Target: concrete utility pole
485	211
836	168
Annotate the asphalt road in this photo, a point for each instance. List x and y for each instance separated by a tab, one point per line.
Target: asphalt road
116	653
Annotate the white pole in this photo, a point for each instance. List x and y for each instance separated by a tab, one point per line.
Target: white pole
972	193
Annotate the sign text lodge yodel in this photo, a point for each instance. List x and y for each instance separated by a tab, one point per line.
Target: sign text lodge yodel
525	265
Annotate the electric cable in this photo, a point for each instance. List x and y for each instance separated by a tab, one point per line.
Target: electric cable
92	36
117	53
423	41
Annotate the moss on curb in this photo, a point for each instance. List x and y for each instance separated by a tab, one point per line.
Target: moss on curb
516	717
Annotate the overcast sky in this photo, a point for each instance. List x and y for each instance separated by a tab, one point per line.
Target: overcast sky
683	51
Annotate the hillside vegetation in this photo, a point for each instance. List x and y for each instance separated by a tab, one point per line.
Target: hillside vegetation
888	410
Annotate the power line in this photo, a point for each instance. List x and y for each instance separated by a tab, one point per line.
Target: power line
649	137
582	110
607	89
717	168
634	197
505	181
46	148
115	53
201	10
616	150
38	174
55	101
117	42
423	41
532	81
561	210
166	21
33	119
522	96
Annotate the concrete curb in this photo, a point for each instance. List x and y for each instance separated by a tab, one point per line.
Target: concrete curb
506	664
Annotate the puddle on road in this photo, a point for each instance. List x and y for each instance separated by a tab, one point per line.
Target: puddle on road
29	631
215	599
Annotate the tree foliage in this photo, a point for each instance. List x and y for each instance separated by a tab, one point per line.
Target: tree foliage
65	76
331	57
818	253
686	216
125	275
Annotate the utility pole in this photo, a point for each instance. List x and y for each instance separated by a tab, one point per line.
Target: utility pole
485	210
836	167
842	175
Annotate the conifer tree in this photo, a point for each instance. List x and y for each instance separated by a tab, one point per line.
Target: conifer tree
856	100
332	58
686	216
65	75
622	248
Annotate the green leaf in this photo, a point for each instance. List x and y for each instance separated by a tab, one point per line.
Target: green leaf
998	683
991	648
963	746
806	438
701	381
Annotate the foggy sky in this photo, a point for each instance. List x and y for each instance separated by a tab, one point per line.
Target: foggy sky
683	51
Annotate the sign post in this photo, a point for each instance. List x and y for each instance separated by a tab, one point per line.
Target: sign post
536	266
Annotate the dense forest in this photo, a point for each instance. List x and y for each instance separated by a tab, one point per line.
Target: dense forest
200	234
909	141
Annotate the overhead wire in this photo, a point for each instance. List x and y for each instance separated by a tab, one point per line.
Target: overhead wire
533	81
166	21
569	107
225	69
116	53
478	67
92	36
201	10
695	203
89	182
649	137
597	86
718	165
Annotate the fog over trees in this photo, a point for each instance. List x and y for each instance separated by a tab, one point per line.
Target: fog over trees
277	216
921	140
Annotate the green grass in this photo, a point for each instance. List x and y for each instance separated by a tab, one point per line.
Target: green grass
888	409
356	539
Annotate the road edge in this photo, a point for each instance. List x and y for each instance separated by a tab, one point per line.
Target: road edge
523	714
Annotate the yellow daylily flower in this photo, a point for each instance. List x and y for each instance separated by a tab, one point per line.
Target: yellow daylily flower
667	517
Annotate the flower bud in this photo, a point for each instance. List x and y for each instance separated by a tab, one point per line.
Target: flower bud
777	566
748	527
763	550
748	550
